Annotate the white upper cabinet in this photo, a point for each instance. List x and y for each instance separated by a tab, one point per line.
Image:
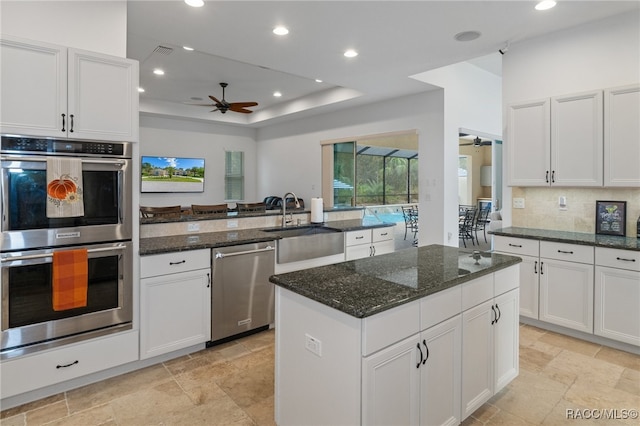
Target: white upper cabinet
576	139
529	143
55	91
622	136
34	88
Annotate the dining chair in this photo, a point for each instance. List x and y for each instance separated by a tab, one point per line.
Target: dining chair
251	207
170	211
465	226
410	215
209	209
480	223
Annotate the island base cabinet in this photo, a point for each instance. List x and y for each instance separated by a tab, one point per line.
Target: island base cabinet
415	381
617	298
391	385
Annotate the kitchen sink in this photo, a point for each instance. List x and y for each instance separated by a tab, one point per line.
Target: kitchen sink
307	242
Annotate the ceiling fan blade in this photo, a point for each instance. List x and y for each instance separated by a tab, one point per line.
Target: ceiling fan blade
244	104
243	110
213	98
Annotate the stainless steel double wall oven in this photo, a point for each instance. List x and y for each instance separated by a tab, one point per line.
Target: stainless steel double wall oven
29	239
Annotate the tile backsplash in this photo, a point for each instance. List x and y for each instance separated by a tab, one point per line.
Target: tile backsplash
542	208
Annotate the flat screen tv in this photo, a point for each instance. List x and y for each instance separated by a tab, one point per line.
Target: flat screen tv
171	174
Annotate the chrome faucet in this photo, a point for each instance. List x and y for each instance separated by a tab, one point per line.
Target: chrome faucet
284	208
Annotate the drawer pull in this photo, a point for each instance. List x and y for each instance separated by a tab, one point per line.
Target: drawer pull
68	365
359	238
385	234
565	252
178	263
625	260
515	245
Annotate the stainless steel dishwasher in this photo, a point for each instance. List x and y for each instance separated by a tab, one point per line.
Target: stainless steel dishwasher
242	297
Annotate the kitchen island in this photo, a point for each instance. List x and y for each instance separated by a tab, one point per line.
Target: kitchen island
424	335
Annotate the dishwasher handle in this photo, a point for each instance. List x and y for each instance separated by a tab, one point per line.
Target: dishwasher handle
241	253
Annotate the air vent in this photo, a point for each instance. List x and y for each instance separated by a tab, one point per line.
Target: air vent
163	50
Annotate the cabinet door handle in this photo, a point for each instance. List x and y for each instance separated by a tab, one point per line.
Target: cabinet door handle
565	252
495	315
515	245
553	176
421	357
63	124
546	176
499	313
625	260
208	280
177	263
71	123
374	250
535	267
541	271
426	348
68	365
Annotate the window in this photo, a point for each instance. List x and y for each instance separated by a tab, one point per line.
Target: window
234	176
371	170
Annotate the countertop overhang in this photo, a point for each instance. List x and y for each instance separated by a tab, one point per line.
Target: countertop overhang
368	286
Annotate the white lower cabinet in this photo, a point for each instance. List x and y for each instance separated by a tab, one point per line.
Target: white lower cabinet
566	285
415	381
368	242
489	340
617	295
175	301
58	365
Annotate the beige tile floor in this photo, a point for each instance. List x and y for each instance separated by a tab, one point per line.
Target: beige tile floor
233	384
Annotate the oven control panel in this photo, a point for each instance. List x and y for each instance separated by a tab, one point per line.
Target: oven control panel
60	146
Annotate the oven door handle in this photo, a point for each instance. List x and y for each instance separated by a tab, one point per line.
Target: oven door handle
116	163
6	258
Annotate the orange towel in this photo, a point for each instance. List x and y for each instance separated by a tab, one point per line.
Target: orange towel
70	279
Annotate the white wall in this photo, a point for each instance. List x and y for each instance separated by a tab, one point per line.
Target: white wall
99	26
598	55
167	137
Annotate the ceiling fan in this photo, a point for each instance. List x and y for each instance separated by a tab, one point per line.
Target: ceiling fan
478	142
223	106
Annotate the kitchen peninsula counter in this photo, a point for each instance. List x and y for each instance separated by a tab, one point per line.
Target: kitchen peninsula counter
204	240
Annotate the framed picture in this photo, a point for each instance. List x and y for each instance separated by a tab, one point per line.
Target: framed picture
611	217
171	174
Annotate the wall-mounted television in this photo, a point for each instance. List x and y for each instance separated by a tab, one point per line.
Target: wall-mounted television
171	174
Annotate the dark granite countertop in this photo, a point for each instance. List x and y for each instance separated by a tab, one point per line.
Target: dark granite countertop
157	245
368	286
609	241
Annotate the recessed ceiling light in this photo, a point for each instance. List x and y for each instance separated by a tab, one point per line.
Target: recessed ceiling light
318	80
545	4
195	3
140	90
280	30
277	94
158	71
350	53
467	35
187	48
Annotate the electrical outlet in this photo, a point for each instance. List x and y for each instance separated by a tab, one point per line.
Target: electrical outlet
313	345
193	227
518	203
232	224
